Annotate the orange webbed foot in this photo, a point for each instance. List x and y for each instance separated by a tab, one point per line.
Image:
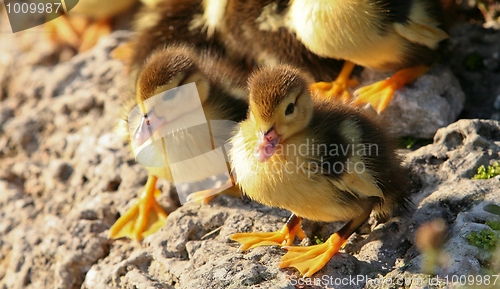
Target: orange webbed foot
283	237
93	32
309	260
380	93
339	88
144	218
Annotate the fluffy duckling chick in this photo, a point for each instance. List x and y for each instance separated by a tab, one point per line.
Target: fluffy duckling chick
168	22
84	24
222	91
388	35
320	159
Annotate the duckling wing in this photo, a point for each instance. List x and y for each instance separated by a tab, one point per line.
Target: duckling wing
358	184
421	27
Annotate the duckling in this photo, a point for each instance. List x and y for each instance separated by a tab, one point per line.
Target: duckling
387	35
168	22
322	160
86	22
222	93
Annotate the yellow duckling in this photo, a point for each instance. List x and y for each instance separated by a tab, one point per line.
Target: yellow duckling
320	159
222	93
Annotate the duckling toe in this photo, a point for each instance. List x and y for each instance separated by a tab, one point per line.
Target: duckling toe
63	32
93	32
257	239
309	260
380	93
283	237
144	218
337	89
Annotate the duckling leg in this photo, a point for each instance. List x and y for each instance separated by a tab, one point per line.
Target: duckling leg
62	32
337	88
144	218
206	196
380	93
93	32
309	260
285	236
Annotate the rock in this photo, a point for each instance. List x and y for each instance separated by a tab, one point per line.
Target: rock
419	109
474	56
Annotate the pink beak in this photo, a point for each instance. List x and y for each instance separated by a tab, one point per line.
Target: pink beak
149	124
266	145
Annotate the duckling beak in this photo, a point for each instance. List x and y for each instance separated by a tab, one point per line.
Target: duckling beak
149	124
266	144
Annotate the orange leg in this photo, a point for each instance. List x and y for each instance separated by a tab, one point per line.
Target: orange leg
309	260
380	93
285	236
206	196
93	32
62	32
337	88
144	218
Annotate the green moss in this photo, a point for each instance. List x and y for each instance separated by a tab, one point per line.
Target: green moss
487	173
318	241
493	209
494	225
410	142
485	239
473	61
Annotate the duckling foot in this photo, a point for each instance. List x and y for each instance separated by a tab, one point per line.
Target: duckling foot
144	218
309	260
380	93
93	32
206	196
339	87
78	32
283	237
63	32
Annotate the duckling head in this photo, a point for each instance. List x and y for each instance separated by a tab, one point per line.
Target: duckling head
170	68
280	107
164	70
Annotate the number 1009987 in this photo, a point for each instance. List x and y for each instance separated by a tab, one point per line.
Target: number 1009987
32	8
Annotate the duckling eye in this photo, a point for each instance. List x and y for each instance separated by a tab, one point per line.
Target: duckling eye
289	108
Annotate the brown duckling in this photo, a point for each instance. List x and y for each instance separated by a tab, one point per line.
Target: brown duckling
222	94
388	35
169	22
322	160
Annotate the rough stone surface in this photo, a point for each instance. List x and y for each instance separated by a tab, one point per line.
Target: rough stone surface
475	59
65	177
419	109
